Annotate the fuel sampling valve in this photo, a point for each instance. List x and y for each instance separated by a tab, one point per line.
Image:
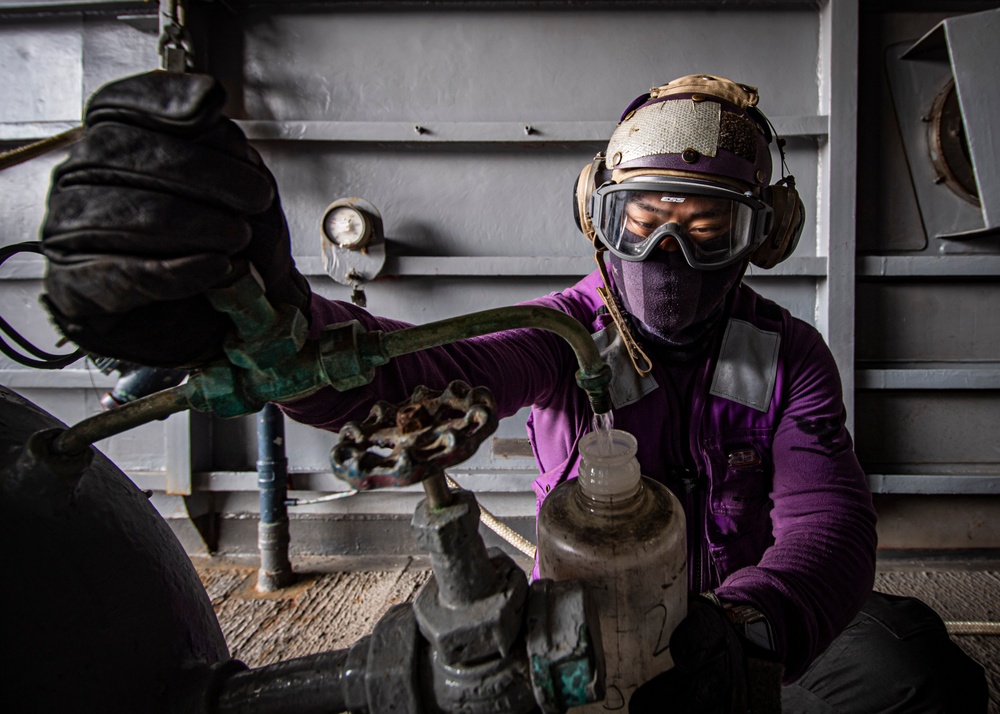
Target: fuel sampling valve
477	638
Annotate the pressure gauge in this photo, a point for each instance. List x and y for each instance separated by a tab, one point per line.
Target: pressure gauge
353	246
347	226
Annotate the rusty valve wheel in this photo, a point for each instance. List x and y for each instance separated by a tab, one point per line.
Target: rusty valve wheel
411	442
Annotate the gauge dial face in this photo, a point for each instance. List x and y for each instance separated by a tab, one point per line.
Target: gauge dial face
347	227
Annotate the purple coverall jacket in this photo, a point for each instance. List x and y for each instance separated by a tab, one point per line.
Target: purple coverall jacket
778	510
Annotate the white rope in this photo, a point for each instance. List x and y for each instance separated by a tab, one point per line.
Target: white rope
972	627
501	529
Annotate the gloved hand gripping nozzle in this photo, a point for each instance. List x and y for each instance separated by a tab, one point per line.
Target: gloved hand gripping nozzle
140	285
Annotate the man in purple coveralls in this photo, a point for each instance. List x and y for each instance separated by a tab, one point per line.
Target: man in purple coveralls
736	404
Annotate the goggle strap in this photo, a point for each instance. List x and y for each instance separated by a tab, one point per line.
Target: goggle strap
635	352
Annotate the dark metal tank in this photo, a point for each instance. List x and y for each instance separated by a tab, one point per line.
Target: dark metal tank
103	610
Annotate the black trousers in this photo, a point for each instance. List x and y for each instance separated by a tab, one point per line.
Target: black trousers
895	656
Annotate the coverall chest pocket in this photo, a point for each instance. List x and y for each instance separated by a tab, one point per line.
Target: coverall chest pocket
544	484
741	483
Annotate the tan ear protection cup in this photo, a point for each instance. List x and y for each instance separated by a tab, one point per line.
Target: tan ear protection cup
581	196
586	182
786	225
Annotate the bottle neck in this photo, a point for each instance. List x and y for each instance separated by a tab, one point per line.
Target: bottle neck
609	471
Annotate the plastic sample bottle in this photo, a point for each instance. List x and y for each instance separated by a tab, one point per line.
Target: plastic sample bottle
624	535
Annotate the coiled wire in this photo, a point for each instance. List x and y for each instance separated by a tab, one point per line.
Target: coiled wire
39	359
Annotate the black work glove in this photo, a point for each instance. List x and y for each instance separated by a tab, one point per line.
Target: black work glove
716	670
152	207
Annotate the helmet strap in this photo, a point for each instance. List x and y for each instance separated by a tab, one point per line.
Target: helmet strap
640	360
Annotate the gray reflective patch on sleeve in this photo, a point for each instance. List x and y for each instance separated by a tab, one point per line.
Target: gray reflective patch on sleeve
748	365
627	386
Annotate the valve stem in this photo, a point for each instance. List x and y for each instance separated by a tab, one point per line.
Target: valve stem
438	495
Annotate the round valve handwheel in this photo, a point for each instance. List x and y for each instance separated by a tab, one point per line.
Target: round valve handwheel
408	443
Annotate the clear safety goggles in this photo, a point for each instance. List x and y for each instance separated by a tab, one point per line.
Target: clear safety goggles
713	226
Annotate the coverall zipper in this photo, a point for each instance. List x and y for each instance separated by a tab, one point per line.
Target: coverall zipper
695	502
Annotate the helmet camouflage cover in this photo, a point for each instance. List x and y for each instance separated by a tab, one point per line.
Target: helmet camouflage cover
696	125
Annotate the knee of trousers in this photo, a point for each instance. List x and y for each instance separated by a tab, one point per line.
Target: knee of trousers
896	651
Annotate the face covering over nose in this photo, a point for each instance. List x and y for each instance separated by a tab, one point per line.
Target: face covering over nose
673	305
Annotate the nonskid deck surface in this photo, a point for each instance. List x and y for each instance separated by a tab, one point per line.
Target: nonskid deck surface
958	596
332	605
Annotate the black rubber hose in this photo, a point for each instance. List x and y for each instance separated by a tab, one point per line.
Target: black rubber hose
307	685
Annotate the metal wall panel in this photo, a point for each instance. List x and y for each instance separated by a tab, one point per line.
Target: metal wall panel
915	431
928	332
114	48
888	209
521	65
477	210
494	195
438	203
49	65
887	205
42	70
24	188
463	201
923	322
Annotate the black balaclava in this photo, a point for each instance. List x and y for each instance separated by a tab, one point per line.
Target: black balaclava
673	306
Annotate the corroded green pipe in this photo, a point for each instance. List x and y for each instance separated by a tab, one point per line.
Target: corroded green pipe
128	416
475	324
593	375
344	357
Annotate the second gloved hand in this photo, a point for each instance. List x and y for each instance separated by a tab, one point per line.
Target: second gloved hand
716	671
149	211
